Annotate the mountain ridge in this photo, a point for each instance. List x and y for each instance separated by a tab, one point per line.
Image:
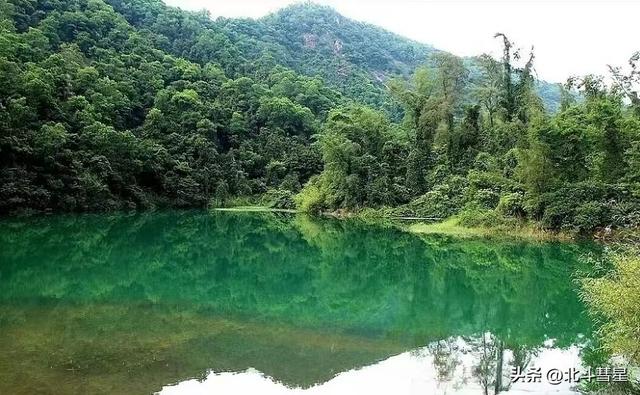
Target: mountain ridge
352	56
401	56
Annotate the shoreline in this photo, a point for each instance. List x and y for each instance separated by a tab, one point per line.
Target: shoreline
254	209
450	226
417	225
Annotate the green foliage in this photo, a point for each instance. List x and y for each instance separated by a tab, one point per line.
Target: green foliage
473	217
312	197
583	207
278	198
140	105
280	112
221	194
502	160
512	205
361	156
615	297
128	109
442	201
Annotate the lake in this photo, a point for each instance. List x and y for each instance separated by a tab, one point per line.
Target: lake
191	302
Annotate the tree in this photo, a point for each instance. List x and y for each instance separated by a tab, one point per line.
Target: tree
628	84
507	94
487	92
280	112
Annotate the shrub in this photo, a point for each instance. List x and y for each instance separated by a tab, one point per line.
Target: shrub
585	206
485	188
557	215
443	201
512	204
485	162
590	216
311	198
478	217
617	298
278	198
486	198
626	214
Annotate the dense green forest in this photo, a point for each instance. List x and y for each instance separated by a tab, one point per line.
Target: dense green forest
113	104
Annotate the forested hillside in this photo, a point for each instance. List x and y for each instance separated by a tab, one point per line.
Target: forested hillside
100	113
132	104
355	58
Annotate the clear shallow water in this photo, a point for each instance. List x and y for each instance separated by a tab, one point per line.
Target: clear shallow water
192	302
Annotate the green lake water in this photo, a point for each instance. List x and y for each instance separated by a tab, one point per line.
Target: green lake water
190	302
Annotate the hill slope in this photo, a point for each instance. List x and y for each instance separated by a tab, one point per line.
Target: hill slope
113	104
354	57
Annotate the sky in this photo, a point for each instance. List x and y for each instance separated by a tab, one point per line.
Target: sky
570	37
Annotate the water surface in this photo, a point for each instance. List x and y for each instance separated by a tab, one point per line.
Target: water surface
192	302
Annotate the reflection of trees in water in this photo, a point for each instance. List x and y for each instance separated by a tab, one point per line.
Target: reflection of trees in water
446	360
491	371
493	367
522	356
485	359
337	276
485	369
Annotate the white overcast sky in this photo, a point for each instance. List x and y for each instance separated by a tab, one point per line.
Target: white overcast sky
571	37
